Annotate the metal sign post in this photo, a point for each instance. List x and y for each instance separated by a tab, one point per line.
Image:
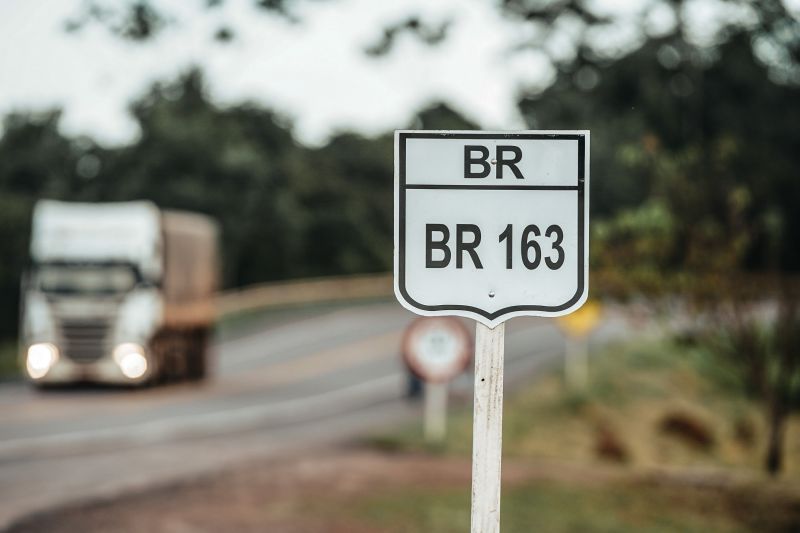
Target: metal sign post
576	364
491	226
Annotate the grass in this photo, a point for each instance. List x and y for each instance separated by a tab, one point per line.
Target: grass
633	392
620	421
556	507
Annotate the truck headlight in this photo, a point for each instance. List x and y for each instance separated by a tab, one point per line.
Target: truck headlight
131	360
40	359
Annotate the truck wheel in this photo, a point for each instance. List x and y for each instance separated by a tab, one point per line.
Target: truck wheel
159	347
196	364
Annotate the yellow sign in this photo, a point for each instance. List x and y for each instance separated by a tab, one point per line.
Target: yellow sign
581	322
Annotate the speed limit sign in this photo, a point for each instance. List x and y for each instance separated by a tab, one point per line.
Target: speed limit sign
437	349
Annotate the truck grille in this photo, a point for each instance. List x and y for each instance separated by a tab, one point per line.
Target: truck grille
85	341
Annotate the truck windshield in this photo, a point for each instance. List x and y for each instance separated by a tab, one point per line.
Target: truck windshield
86	279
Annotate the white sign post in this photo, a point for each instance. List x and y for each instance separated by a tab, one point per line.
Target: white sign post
491	226
436	350
577	328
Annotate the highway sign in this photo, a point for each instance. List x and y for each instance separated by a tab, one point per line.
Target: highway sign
491	225
437	349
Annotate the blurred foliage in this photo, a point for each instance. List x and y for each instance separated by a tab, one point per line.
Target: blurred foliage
567	506
632	389
136	20
763	345
576	33
286	210
694	151
141	20
427	33
695	181
700	159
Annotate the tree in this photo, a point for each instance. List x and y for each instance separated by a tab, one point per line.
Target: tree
35	161
695	187
285	210
694	160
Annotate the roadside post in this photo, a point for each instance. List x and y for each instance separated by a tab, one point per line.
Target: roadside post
436	350
491	226
577	327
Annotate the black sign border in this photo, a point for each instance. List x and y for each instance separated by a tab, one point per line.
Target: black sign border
402	137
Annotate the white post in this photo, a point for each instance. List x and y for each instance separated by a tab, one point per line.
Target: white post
435	412
487	428
576	363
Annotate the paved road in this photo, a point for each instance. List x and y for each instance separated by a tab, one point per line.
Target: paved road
284	384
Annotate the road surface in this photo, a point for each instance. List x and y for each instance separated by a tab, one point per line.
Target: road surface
297	383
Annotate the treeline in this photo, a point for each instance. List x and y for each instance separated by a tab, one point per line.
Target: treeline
285	210
695	164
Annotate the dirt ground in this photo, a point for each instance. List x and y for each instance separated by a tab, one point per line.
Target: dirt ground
305	494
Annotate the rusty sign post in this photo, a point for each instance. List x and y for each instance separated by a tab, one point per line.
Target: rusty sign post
491	226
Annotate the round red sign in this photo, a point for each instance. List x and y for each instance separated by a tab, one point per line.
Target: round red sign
437	349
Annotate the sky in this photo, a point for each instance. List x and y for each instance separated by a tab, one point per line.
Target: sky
314	71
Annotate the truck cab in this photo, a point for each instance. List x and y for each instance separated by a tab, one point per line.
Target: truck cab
117	293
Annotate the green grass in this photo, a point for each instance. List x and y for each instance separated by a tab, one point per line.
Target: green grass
632	389
556	507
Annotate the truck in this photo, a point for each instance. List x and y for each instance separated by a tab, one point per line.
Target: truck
117	293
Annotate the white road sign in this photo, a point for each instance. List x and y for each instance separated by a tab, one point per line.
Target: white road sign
491	225
437	349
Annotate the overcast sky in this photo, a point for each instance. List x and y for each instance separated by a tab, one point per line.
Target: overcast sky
314	71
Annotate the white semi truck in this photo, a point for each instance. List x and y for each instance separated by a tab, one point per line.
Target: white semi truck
117	293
